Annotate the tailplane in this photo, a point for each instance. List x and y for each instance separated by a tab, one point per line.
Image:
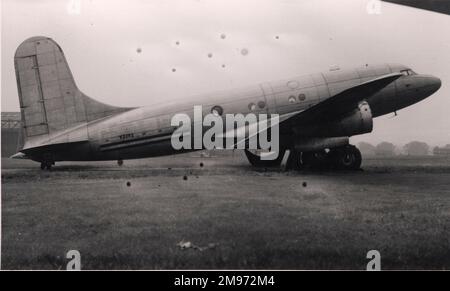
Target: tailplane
50	101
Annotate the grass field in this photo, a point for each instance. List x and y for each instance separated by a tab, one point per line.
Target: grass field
249	219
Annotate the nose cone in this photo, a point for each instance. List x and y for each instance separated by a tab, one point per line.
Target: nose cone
413	89
437	83
433	84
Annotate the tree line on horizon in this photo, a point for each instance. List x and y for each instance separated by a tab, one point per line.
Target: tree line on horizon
413	148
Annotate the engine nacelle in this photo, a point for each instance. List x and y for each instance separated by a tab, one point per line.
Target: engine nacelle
359	121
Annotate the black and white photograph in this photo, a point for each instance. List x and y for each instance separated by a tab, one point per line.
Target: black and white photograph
225	135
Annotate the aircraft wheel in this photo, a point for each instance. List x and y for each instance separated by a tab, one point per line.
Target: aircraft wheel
46	166
255	160
120	162
346	158
314	159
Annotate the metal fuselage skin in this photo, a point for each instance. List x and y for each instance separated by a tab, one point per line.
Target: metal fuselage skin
146	131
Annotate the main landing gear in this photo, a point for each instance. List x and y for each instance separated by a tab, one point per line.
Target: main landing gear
47	165
346	158
341	158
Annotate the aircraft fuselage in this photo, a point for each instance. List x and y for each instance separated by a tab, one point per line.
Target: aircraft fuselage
146	131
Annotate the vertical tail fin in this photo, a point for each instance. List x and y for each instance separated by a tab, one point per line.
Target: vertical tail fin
49	98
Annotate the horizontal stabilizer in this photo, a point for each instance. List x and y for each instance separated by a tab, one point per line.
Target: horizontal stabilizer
19	156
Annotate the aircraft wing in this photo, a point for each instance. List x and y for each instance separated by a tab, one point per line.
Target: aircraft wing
328	110
341	103
441	6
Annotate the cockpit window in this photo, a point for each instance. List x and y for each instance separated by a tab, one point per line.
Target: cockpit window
408	72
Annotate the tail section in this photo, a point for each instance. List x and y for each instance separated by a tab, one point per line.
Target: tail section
50	101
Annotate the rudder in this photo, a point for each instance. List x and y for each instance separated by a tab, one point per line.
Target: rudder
49	98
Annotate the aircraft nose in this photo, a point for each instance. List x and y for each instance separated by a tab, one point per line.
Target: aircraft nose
434	83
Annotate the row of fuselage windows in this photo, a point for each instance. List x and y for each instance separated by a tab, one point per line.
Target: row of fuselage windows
292	99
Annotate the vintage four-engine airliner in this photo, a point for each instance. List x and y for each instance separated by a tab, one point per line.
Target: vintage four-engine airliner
318	112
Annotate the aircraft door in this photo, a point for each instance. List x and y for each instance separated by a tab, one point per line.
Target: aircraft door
269	98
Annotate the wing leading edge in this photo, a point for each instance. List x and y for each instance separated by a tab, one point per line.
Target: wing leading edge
344	102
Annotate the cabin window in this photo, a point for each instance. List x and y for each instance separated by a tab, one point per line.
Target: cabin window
261	104
292	99
302	97
217	110
252	106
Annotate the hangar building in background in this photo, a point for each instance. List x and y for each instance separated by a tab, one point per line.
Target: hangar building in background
11	127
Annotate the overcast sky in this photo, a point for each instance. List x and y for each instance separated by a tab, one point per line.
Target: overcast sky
123	52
